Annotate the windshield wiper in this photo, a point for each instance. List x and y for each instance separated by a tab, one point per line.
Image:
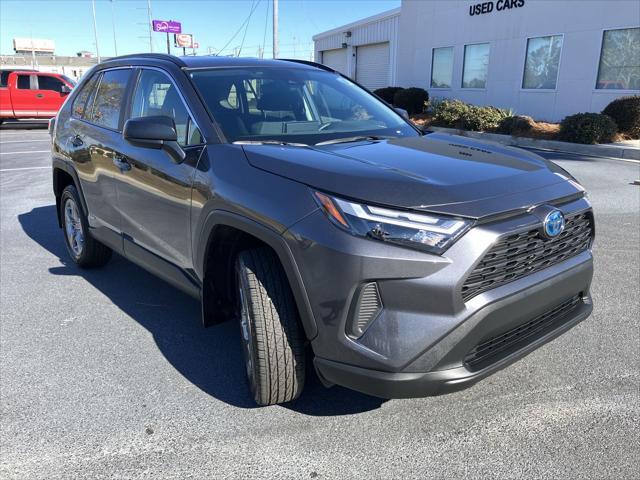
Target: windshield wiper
269	142
352	139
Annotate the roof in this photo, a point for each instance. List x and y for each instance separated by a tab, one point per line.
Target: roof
209	61
359	23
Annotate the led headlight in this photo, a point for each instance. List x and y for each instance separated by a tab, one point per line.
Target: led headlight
415	230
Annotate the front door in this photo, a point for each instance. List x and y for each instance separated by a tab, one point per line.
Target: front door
49	94
154	192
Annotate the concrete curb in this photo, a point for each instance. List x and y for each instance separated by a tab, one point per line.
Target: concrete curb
610	151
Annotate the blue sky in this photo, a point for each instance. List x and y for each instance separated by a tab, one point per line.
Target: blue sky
212	22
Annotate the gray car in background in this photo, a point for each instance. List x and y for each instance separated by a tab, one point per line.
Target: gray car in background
286	197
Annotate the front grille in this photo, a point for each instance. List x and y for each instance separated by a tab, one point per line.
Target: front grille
521	254
518	337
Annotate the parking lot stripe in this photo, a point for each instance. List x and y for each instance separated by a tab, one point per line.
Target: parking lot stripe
23	168
26	151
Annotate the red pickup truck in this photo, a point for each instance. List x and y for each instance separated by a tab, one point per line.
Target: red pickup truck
30	94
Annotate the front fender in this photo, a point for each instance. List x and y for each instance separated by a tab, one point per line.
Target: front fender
276	242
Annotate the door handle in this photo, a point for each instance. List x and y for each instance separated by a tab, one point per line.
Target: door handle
39	95
77	141
122	163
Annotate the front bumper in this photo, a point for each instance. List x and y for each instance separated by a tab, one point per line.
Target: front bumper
418	344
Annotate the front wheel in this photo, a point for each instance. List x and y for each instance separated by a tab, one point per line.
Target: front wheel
83	249
272	338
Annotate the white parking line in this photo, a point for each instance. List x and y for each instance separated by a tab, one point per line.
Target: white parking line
26	151
22	141
23	168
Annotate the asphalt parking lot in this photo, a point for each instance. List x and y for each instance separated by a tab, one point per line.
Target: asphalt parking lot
108	373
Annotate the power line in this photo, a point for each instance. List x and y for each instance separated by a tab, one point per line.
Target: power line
253	7
246	28
264	35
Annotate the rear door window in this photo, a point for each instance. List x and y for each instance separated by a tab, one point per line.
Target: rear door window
109	99
24	82
82	99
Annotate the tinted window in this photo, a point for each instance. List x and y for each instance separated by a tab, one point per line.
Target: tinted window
157	95
620	60
476	66
4	77
541	65
49	83
24	82
82	99
109	97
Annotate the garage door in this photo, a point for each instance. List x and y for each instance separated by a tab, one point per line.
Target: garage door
372	65
336	59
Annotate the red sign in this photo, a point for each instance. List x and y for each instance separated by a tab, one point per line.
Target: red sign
184	40
196	45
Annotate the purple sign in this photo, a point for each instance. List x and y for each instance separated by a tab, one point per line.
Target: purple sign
165	26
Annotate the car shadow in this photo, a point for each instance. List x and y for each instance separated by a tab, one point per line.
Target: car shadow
209	358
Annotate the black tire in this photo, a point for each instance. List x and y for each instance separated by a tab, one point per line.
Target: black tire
92	254
273	342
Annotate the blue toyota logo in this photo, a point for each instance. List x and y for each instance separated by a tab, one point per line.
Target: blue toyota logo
553	224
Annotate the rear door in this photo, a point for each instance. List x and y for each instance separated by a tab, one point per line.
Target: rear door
49	94
22	87
154	193
93	138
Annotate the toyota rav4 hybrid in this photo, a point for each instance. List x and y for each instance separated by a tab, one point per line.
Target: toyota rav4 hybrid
284	196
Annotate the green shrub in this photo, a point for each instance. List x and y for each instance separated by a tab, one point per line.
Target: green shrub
587	128
483	119
449	113
413	100
515	124
625	111
387	93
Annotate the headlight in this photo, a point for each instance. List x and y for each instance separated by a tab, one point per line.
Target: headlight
416	230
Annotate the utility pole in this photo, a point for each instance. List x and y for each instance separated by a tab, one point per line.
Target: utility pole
113	26
275	29
95	28
149	25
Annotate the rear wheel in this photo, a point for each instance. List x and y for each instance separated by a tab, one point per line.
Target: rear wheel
84	250
272	338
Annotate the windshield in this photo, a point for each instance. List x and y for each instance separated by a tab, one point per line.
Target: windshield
293	105
69	80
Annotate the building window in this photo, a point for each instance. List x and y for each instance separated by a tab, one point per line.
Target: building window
441	67
541	64
476	66
620	60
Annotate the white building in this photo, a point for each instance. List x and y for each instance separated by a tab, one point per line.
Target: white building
547	59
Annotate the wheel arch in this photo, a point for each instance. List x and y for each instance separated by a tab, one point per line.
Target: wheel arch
228	233
64	175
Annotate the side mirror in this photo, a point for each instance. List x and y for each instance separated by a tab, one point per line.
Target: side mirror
403	113
65	89
157	132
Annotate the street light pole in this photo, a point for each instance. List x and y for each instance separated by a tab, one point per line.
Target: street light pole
113	26
95	28
275	29
149	25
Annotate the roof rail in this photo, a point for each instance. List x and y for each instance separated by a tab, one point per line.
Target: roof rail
156	56
308	62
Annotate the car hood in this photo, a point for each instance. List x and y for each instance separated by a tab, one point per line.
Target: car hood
438	173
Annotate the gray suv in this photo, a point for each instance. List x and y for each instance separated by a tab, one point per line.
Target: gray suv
286	197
